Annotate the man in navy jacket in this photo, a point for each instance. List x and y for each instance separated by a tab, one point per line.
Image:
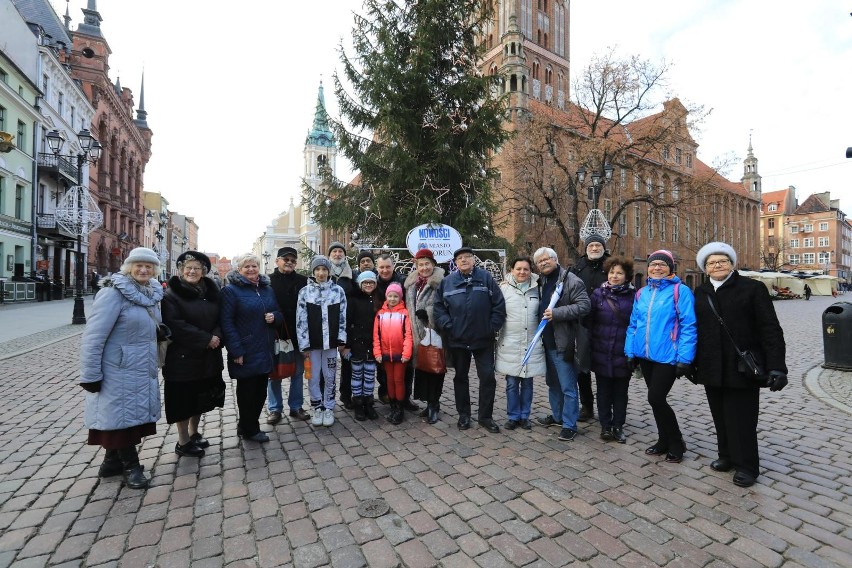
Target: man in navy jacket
469	310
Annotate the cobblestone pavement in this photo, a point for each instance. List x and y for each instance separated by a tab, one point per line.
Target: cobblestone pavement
456	498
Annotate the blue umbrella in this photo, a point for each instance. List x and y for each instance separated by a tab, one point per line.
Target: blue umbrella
541	325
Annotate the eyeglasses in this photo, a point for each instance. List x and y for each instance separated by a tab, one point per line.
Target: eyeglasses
723	262
192	269
544	260
464	257
658	264
288	260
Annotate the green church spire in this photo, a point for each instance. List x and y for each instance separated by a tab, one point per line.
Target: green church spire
320	134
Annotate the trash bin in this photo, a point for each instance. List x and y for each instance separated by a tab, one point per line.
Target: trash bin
837	336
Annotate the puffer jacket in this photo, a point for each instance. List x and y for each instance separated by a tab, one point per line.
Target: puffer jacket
392	334
518	331
360	317
469	310
608	329
193	318
658	332
246	332
120	348
321	316
422	300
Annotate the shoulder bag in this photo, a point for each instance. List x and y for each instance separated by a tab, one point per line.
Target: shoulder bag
748	363
283	357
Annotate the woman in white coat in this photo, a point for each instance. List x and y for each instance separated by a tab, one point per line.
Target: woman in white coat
520	290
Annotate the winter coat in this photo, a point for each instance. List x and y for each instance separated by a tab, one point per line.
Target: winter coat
321	316
608	329
659	332
591	272
193	318
119	348
569	310
518	331
247	334
747	310
469	310
360	317
286	288
422	300
345	280
392	339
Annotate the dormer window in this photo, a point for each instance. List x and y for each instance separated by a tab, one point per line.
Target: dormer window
772	207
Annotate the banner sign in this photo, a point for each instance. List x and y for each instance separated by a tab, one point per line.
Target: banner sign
442	240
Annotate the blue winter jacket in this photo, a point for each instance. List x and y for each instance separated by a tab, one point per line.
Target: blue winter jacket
659	332
469	310
247	334
120	348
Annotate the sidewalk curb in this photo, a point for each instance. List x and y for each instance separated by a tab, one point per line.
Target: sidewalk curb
812	384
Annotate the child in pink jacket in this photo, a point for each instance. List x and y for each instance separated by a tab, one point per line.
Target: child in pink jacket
393	345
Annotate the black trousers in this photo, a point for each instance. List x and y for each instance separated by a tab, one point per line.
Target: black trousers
612	400
345	380
584	386
660	378
487	381
735	416
251	394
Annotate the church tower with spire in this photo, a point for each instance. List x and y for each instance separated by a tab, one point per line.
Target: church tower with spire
751	180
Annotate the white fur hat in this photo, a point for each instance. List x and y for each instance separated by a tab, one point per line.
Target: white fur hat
715	248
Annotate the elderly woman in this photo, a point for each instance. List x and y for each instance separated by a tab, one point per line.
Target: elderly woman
750	324
249	318
193	369
118	365
420	287
520	290
661	339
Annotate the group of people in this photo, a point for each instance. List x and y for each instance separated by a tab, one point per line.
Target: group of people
373	322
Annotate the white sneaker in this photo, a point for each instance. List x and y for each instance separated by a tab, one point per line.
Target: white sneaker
328	417
316	419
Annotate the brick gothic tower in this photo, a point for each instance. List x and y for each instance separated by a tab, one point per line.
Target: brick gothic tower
117	179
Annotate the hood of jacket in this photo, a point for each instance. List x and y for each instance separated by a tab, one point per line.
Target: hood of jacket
189	292
147	296
237	279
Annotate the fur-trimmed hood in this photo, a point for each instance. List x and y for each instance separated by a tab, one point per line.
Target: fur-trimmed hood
188	292
237	279
146	296
433	282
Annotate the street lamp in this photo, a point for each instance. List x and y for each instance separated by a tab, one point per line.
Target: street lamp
78	213
598	181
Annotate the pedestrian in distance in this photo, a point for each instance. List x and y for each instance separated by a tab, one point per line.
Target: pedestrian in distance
560	339
321	329
521	293
469	311
807	292
612	305
249	318
661	339
420	286
193	368
392	346
361	308
735	314
286	283
118	365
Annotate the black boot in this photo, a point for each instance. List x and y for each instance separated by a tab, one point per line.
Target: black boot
360	414
112	464
433	413
395	416
132	474
368	401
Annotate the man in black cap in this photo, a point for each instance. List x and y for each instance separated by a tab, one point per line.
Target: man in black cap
589	268
366	261
469	310
286	283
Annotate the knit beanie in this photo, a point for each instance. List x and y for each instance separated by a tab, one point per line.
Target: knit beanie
595	238
394	287
320	260
365	276
365	254
336	245
715	248
664	255
142	254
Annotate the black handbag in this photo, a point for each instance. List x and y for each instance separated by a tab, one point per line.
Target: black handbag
749	364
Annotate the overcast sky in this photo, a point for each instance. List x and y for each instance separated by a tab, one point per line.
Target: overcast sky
230	89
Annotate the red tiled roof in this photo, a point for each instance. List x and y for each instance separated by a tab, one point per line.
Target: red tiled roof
778	197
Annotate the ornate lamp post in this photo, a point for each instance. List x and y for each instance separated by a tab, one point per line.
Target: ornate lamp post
598	181
595	222
77	211
266	255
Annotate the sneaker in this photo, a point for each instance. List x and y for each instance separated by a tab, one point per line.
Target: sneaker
511	424
316	420
300	414
618	435
274	417
606	434
567	435
586	414
526	424
328	417
548	420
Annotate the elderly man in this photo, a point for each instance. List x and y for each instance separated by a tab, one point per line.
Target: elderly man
469	309
559	339
589	268
286	283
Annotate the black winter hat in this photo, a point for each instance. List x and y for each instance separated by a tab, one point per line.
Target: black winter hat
287	251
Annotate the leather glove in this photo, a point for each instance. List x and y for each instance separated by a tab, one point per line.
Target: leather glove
422	315
777	381
96	386
632	363
683	370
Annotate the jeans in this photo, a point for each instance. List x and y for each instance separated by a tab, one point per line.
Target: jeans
561	379
487	381
519	395
296	396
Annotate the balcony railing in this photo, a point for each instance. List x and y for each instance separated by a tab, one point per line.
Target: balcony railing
60	163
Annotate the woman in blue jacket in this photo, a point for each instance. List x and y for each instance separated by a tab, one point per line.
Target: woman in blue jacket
249	318
661	338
